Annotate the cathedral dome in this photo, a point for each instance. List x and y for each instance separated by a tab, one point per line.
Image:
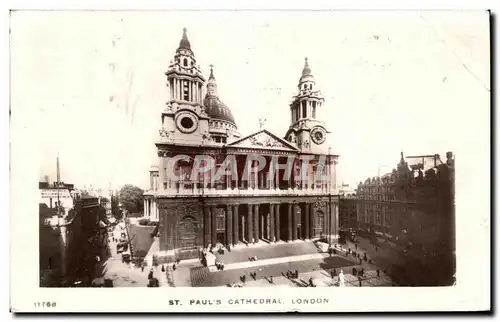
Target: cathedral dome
216	109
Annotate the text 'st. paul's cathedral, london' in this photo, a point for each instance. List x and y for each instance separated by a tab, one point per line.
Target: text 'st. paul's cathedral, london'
202	212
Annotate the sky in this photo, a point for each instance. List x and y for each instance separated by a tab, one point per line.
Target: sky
90	86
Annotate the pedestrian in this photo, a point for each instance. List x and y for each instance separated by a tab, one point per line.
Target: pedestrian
222	266
354	271
311	282
150	275
174	267
296	273
378	272
163	268
244	279
360	281
334	272
142	268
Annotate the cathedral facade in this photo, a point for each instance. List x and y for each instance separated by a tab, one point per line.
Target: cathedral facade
271	193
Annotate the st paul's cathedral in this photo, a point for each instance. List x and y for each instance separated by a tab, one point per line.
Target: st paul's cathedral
196	214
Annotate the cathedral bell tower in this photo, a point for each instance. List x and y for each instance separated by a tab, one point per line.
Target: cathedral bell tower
306	131
184	120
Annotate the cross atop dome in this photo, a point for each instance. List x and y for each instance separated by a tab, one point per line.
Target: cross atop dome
211	72
307	70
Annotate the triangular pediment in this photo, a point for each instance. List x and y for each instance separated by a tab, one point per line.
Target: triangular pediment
263	140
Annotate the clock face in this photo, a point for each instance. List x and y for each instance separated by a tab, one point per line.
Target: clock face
318	135
186	122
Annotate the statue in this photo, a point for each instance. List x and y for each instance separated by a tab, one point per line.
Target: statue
292	138
262	122
341	278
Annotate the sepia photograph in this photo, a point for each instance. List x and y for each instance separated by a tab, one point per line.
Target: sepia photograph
248	149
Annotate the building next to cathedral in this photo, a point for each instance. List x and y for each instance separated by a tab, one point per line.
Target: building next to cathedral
249	206
413	208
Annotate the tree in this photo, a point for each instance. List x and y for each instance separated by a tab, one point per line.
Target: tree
131	198
115	207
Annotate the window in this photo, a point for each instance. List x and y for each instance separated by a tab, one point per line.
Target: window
185	63
304	109
186	90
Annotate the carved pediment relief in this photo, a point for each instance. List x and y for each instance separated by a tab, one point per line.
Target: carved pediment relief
263	140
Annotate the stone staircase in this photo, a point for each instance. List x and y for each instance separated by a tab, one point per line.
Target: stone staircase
198	274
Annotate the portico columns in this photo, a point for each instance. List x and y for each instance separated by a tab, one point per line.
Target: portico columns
214	226
289	236
311	220
278	223
271	223
307	235
229	225
249	222
294	222
256	222
207	225
235	224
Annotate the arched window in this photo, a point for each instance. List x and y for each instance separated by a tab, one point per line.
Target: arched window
185	63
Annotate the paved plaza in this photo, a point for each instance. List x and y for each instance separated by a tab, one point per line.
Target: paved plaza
272	264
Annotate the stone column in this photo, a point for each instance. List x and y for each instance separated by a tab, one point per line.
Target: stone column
278	223
308	224
180	84
145	207
229	225
294	222
262	230
311	220
256	222
327	222
236	225
289	237
206	225
336	220
255	176
214	225
277	177
249	222
270	229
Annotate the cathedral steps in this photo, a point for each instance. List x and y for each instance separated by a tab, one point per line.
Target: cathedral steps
198	274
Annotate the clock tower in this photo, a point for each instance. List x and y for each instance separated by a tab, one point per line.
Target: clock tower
306	131
184	119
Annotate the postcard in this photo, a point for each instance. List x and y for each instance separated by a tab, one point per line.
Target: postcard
250	161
